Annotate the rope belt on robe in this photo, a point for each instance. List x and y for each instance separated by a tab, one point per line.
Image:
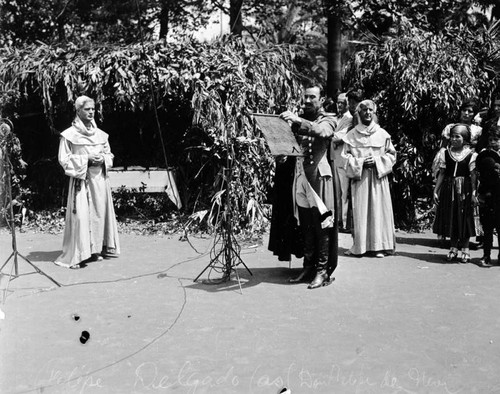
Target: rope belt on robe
77	186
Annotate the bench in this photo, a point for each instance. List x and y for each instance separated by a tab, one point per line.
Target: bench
146	180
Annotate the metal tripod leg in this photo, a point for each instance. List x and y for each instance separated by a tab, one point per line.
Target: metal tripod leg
6	261
16	269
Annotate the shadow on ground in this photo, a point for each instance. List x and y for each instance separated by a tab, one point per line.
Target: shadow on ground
430	242
43	255
430	258
274	275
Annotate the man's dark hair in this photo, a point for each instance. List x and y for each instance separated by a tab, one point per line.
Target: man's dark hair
470	103
311	85
356	95
329	105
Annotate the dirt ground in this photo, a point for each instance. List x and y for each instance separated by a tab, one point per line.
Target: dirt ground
409	323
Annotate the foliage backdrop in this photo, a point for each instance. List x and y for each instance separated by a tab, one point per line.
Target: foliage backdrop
420	79
418	59
205	96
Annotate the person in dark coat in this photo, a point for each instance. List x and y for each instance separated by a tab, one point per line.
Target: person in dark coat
285	235
490	121
488	168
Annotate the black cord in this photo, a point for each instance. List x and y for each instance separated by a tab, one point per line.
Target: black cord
158	126
223	228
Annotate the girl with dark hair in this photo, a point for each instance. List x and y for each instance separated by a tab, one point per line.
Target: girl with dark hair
468	110
455	192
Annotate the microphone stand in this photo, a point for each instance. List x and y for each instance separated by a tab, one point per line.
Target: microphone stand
227	258
7	128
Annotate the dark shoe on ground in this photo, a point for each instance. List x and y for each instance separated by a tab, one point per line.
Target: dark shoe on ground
305	275
349	253
96	257
451	256
485	262
321	279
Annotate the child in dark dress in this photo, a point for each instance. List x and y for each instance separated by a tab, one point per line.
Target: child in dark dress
488	168
455	191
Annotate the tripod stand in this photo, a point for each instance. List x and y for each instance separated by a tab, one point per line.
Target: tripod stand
228	257
5	132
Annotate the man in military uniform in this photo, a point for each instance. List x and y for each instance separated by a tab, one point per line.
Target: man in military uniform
313	189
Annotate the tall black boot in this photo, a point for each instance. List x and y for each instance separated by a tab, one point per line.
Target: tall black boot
306	223
322	277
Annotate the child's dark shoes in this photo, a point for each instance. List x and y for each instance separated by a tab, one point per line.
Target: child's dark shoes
465	258
451	256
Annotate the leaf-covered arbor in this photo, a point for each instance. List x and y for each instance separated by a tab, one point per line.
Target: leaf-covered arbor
205	95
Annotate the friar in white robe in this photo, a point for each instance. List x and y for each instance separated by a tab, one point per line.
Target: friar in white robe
85	155
370	156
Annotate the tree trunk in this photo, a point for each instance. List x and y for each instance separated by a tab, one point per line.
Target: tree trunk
235	21
164	18
61	33
61	20
334	75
